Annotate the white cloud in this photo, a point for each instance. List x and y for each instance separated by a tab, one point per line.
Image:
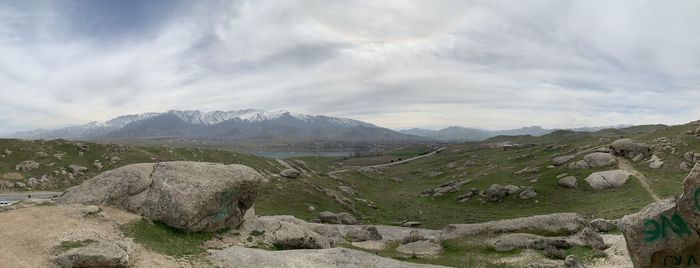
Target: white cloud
494	64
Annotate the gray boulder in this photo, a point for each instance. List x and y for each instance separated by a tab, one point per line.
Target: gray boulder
76	169
281	233
97	254
339	218
572	262
239	257
596	160
608	179
581	164
290	173
629	148
688	156
527	193
421	248
363	234
568	182
495	193
27	166
512	189
194	196
655	162
560	160
683	166
603	225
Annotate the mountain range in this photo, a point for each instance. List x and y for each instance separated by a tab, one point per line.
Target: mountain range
455	133
249	124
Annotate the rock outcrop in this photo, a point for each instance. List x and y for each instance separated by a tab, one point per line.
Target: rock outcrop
240	257
552	223
193	196
290	173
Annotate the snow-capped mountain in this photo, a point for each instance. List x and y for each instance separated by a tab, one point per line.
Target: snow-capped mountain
242	124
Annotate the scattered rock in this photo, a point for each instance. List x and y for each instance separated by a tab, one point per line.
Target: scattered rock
97	164
596	160
77	169
689	156
421	249
290	173
528	170
193	196
568	182
346	190
655	162
589	237
448	187
340	218
413	236
562	175
527	193
495	193
572	262
560	160
512	189
581	164
608	179
603	225
363	234
40	155
8	152
27	166
370	245
20	184
683	166
411	224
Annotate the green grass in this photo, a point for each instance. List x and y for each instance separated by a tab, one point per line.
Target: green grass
67	245
166	240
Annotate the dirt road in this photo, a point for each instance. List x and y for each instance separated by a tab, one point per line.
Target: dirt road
623	164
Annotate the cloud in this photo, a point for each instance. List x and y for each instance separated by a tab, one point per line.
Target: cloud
493	64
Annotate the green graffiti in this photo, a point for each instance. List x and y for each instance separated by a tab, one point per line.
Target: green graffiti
677	261
656	229
696	195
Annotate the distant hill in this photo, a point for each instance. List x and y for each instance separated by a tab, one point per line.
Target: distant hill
247	124
455	133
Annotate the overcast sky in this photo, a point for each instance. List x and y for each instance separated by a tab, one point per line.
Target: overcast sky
398	64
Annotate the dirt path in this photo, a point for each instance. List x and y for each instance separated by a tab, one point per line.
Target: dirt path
623	164
408	160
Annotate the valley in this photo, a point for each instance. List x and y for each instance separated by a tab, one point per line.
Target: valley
438	187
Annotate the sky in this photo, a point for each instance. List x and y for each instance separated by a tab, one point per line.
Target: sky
491	64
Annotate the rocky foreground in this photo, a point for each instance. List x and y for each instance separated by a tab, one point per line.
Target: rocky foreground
82	228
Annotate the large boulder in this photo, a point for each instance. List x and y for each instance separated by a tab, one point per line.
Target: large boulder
608	179
193	196
240	257
596	160
581	164
629	148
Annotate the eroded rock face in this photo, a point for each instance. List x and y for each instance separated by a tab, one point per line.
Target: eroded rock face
97	254
665	233
193	196
552	223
